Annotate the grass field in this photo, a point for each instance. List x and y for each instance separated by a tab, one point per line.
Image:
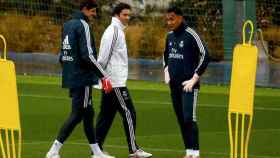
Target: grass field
44	106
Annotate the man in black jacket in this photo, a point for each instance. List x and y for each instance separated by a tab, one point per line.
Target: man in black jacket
80	72
185	60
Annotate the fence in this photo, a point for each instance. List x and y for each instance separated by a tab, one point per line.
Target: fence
145	69
35	26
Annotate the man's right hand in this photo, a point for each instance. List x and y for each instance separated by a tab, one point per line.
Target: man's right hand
166	75
106	85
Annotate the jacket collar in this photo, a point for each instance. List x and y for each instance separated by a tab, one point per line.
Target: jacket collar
118	23
80	15
180	29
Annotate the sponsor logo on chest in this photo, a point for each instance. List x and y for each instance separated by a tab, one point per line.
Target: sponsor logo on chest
174	54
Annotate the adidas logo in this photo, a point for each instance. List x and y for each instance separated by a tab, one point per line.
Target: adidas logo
65	43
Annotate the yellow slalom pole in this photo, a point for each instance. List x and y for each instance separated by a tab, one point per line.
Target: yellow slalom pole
4	58
241	101
230	134
242	136
13	144
251	33
19	143
5	47
236	135
2	145
8	143
248	135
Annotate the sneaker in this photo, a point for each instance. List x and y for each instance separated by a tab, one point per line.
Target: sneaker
140	154
191	156
52	155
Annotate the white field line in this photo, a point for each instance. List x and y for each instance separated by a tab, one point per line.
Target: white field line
201	132
260	108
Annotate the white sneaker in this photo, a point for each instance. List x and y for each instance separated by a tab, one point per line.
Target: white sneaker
52	155
140	154
191	156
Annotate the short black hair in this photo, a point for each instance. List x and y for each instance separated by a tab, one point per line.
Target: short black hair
119	7
89	4
176	10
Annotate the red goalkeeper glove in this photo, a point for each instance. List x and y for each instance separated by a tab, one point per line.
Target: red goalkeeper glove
106	85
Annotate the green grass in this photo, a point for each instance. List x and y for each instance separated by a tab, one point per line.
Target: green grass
44	106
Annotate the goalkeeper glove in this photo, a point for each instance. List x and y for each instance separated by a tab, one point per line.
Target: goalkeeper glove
106	85
188	85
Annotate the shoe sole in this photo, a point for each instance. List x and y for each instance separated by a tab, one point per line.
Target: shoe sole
139	157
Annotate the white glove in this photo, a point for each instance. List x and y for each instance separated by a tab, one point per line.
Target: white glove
188	85
166	75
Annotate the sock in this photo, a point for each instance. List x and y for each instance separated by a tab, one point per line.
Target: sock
56	147
196	153
189	152
95	149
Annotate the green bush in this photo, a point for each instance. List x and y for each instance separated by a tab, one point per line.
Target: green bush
145	37
30	34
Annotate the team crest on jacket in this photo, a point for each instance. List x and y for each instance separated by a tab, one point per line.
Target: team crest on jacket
181	44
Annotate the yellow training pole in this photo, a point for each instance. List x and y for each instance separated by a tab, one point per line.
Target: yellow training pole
236	135
5	47
242	136
9	113
13	143
19	143
242	90
230	134
248	136
8	143
2	145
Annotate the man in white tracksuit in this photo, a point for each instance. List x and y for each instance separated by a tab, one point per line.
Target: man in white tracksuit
114	60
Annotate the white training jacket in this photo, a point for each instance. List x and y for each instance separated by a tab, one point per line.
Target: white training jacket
113	53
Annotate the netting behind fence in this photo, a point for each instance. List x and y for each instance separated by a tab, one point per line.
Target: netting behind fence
35	26
40	20
207	18
58	10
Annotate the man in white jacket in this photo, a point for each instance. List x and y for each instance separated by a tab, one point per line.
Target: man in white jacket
114	60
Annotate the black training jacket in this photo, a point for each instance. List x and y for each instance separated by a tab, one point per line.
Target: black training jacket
78	54
185	54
